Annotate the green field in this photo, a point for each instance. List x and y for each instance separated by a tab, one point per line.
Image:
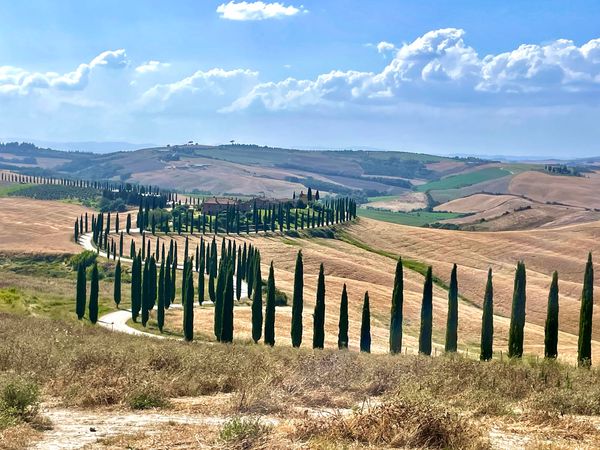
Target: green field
465	179
415	219
7	189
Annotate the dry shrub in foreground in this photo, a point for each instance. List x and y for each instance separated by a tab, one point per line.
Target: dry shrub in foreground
398	423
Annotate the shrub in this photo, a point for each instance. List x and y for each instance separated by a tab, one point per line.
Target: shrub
86	257
147	399
19	402
243	432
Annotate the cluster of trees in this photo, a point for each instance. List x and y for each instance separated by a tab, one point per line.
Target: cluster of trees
562	169
234	218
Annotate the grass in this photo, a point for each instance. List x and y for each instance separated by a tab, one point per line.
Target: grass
415	219
243	432
465	179
8	189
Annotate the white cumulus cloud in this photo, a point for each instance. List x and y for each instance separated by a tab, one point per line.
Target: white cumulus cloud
14	80
385	47
257	10
440	68
151	66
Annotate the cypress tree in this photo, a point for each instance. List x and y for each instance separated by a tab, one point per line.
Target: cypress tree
343	323
551	328
487	321
219	302
517	318
238	280
452	321
201	281
117	290
94	290
584	346
365	326
145	293
426	315
270	309
81	294
227	312
160	314
188	304
136	287
167	288
396	313
319	313
257	315
298	302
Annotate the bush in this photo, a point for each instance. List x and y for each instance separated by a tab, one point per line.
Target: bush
19	402
243	432
147	399
87	257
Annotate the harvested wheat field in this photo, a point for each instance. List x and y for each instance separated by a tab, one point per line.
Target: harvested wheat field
368	268
38	226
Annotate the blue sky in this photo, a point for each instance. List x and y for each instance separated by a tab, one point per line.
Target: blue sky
446	77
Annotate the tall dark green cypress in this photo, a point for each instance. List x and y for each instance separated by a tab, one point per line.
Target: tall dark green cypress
298	301
426	315
146	293
94	291
319	313
136	290
220	290
117	288
396	313
270	309
584	345
257	314
343	322
551	328
365	326
80	299
487	321
201	280
160	314
517	318
452	321
238	279
227	312
188	304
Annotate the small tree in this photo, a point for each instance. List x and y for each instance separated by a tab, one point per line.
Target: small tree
487	321
257	315
396	313
319	313
117	289
81	288
452	321
343	323
551	328
584	347
94	290
298	302
426	315
517	318
270	309
160	313
365	326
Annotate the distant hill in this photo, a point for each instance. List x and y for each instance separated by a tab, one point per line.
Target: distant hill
243	169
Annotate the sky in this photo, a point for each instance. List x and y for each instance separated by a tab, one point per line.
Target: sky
515	78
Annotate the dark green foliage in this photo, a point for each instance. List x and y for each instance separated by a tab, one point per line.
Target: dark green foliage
551	328
396	313
145	293
343	322
365	326
160	314
584	345
426	315
257	315
136	287
517	318
319	313
270	309
94	291
201	281
238	279
452	321
487	321
220	291
81	294
298	302
188	302
117	289
227	312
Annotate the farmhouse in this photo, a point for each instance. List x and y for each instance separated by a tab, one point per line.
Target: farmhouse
216	205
